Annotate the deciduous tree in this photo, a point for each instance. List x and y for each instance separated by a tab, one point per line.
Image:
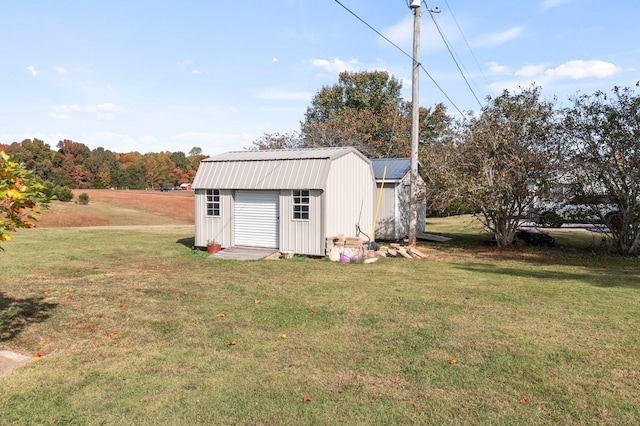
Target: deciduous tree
601	141
20	197
496	162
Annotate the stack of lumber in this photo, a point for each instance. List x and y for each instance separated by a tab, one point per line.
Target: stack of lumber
342	242
397	250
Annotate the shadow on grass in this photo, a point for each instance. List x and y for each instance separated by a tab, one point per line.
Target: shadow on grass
16	314
188	242
596	276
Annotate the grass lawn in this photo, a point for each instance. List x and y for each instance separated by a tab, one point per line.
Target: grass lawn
130	327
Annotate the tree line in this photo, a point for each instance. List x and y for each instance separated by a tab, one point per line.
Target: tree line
518	152
74	165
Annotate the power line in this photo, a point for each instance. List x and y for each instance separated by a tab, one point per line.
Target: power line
467	43
444	39
400	49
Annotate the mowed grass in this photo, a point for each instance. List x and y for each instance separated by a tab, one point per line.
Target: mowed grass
130	328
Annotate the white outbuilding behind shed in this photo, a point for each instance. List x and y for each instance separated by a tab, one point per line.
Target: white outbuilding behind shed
393	214
290	200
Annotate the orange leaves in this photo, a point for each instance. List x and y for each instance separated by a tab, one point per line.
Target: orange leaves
315	310
232	343
307	398
112	334
221	315
37	355
523	400
452	361
283	336
69	296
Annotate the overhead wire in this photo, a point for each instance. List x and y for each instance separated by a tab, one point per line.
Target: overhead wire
401	50
484	76
453	56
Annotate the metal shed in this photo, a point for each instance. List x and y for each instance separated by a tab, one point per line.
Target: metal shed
393	215
290	200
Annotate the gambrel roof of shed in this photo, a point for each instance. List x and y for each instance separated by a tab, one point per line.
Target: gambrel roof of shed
305	168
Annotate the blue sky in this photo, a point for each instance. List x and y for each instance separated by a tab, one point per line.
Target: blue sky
153	76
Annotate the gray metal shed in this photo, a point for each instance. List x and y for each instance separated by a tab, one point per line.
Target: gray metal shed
393	215
290	200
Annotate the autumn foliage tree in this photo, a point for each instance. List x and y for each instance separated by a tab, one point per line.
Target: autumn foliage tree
601	146
497	162
20	197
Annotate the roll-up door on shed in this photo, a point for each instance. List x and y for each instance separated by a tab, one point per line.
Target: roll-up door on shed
256	219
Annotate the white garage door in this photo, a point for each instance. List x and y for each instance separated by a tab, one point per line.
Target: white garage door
256	219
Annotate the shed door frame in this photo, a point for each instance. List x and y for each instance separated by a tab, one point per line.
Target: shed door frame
257	219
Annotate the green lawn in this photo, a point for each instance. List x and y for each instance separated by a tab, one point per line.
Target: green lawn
128	324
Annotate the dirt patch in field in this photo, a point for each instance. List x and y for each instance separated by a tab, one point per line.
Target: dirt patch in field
9	361
114	208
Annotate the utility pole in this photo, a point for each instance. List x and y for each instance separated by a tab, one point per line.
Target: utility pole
415	124
415	121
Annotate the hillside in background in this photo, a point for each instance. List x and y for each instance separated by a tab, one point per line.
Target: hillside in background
122	208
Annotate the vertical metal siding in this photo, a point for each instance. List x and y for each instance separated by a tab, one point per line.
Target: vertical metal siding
212	228
387	226
349	199
302	236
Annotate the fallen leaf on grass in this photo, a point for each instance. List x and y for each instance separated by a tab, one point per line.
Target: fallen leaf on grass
315	310
256	301
37	355
306	398
69	297
232	343
283	336
452	361
112	334
525	399
221	314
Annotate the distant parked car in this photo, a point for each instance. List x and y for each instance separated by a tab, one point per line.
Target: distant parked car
555	214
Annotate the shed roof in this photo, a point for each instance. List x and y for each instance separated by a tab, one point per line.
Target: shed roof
397	168
270	169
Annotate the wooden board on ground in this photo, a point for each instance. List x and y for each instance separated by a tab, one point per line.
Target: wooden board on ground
432	237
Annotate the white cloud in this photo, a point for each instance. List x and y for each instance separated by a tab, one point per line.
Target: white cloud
550	4
531	70
185	64
60	70
67	108
196	72
496	68
275	60
579	69
58	116
500	38
336	65
106	111
32	70
402	32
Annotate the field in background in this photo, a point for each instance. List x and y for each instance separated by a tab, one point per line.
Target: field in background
121	208
132	324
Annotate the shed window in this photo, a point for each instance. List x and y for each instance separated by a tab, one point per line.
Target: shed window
301	204
213	202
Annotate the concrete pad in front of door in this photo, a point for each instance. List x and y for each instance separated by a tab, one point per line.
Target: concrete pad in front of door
244	253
